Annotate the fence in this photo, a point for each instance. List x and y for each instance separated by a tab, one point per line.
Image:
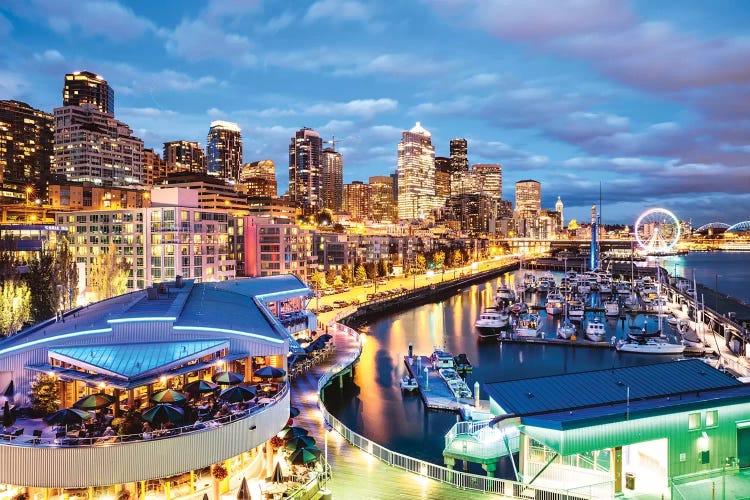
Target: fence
458	479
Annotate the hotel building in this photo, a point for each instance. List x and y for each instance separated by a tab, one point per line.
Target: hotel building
357	200
383	207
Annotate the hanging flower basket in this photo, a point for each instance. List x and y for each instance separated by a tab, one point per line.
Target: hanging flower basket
219	472
277	442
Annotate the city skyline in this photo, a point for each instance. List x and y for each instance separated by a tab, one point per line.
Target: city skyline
636	97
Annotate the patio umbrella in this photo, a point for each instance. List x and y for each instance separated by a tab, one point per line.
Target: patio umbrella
237	394
200	387
163	412
293	412
269	372
10	391
303	456
68	416
244	491
94	401
168	396
325	337
227	378
278	476
299	442
292	432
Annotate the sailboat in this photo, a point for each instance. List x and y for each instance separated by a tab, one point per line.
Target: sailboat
566	330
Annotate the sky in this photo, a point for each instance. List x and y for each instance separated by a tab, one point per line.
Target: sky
649	100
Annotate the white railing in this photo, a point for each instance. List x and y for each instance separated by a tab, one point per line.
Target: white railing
463	480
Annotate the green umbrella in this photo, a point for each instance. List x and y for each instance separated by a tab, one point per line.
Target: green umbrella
168	396
94	401
269	372
292	432
299	442
200	387
163	412
303	456
227	378
293	412
68	416
237	394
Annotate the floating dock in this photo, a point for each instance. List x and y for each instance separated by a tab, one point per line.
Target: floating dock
434	391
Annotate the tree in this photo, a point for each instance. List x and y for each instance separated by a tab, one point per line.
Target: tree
331	276
338	281
15	306
346	274
44	394
42	286
458	258
360	274
66	274
449	259
318	280
108	276
439	259
371	269
382	268
420	264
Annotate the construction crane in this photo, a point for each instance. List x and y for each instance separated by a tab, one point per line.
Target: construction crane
335	141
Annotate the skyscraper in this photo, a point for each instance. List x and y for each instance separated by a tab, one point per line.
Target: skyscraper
559	209
184	156
459	157
357	200
154	167
332	180
528	196
489	178
224	150
84	87
383	207
416	173
305	164
92	146
442	177
25	144
259	179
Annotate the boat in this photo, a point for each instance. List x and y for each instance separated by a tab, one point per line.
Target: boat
566	330
605	286
505	294
462	363
455	383
409	384
529	282
554	303
518	308
689	331
491	322
441	359
631	302
546	282
611	308
595	330
528	325
645	345
576	309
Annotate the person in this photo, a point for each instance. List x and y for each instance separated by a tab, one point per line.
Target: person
147	431
109	432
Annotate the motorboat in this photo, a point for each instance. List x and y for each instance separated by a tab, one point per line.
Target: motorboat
605	286
595	330
491	322
647	345
576	309
518	308
441	359
689	331
462	363
528	325
455	383
611	308
554	303
529	282
546	282
504	294
631	302
408	384
566	330
623	288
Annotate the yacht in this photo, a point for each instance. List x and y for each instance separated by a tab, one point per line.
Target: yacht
566	330
611	308
554	303
529	283
491	322
689	330
605	286
595	331
442	359
576	309
546	282
528	325
504	293
646	345
518	307
455	383
408	384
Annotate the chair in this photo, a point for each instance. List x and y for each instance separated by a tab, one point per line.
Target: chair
37	436
19	432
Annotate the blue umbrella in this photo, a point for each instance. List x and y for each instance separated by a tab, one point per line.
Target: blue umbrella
237	394
163	412
68	416
269	372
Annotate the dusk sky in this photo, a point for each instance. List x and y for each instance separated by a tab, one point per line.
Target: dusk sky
648	98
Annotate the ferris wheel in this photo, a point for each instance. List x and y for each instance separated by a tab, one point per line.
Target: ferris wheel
657	231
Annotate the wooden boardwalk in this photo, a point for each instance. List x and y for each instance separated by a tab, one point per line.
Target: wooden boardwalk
355	473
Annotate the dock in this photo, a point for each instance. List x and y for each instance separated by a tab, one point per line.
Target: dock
435	393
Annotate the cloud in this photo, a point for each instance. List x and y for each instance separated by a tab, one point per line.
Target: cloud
145	112
581	126
278	23
230	8
5	27
197	40
132	80
365	108
12	85
215	113
337	10
50	55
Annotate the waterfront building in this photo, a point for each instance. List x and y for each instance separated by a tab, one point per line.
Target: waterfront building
224	150
25	241
132	347
84	87
92	146
305	165
459	155
383	207
25	149
332	180
416	174
271	246
66	196
184	156
394	176
213	193
271	207
154	167
357	200
333	250
258	179
173	237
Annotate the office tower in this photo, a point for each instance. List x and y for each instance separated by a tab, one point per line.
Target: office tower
357	200
305	164
25	145
332	180
383	207
394	176
489	179
84	87
528	196
559	210
416	173
184	156
92	146
259	179
459	158
442	177
154	167
224	150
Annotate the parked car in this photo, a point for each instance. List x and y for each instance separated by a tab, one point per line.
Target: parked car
340	304
382	281
325	308
355	301
368	284
346	288
329	291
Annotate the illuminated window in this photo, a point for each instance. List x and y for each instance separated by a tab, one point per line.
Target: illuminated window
694	421
712	418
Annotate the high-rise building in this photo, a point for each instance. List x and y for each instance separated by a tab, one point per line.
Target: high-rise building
559	210
224	150
25	145
184	156
84	87
528	196
154	167
92	146
489	179
442	177
357	200
258	179
416	173
459	157
383	207
305	165
394	176
332	180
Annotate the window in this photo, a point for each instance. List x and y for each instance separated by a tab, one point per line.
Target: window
694	421
712	418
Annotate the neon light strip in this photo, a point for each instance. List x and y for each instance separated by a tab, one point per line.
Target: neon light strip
136	320
53	339
300	291
224	330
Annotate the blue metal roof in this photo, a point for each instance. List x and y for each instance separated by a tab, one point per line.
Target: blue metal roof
136	360
606	387
267	288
